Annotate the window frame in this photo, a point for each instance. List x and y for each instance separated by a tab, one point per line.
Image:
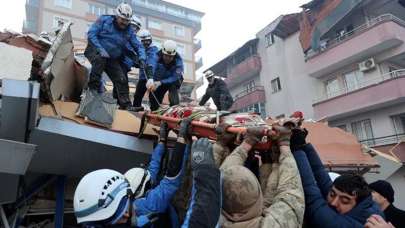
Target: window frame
152	21
269	38
61	3
275	85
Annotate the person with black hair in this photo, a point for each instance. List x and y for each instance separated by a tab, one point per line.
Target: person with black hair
346	202
383	195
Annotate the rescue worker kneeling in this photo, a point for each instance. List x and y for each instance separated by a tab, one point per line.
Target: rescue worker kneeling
276	201
106	197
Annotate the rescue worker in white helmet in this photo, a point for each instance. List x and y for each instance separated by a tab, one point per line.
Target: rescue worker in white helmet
168	75
146	73
136	24
218	91
108	38
107	198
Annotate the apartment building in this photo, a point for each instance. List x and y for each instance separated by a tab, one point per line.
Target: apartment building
165	21
347	69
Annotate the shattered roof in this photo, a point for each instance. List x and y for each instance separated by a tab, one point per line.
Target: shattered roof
337	148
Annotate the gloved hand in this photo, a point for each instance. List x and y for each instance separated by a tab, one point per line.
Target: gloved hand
142	64
157	84
223	137
298	138
254	135
164	132
150	84
201	154
103	53
283	134
185	129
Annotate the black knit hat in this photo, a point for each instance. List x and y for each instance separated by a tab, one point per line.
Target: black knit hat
383	188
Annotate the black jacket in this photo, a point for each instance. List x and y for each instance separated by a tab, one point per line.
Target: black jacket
219	93
395	216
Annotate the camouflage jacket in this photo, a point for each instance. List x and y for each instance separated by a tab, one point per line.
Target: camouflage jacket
283	194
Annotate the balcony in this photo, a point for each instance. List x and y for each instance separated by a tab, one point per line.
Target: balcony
197	45
376	92
386	140
245	70
374	37
246	98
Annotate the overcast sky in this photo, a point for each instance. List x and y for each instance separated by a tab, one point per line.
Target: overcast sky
227	24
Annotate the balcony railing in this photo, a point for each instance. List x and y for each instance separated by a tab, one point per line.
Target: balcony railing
362	84
358	30
198	63
386	140
197	44
248	91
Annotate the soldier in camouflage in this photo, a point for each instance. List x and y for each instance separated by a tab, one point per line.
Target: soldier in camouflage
276	201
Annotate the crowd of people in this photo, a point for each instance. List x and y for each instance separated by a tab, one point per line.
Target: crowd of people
215	184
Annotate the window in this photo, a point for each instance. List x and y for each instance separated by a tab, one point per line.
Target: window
332	87
399	123
96	10
179	31
63	3
269	39
58	21
250	86
181	49
275	85
363	131
353	80
154	24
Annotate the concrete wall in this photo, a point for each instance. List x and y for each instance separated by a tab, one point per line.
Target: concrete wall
285	59
381	122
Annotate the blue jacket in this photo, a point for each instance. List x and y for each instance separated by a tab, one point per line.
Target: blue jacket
104	34
157	200
317	183
169	74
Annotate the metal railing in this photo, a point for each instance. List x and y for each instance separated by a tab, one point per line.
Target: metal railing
362	84
386	140
358	30
249	91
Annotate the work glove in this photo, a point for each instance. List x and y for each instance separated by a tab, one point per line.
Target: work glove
223	137
185	129
201	154
150	84
156	84
103	53
163	132
282	136
298	138
254	135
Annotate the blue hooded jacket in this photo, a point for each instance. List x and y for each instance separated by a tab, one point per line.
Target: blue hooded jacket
169	74
317	183
105	35
157	200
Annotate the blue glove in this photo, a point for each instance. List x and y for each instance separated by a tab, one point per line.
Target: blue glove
103	53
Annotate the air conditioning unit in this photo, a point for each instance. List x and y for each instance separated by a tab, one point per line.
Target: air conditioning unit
366	65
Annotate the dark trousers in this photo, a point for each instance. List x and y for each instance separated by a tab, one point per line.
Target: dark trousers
139	92
160	93
114	71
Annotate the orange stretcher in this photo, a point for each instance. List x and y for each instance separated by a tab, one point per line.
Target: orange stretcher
208	129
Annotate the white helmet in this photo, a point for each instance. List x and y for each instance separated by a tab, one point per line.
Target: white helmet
138	179
99	194
144	34
124	11
333	176
136	21
209	74
169	47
